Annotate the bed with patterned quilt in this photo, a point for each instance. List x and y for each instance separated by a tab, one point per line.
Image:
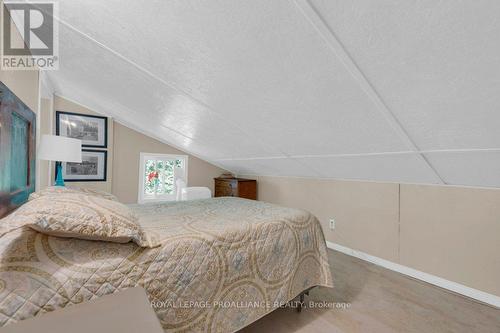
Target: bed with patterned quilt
223	263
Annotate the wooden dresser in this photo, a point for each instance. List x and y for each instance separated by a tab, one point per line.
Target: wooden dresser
236	187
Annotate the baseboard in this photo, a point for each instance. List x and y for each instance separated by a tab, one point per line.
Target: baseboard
429	278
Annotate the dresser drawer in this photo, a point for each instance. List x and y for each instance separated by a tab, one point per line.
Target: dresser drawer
225	190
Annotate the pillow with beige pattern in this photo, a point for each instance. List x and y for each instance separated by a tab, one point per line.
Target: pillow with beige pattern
83	216
55	190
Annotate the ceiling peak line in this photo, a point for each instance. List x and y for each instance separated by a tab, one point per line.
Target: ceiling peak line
311	156
389	153
324	31
461	150
168	84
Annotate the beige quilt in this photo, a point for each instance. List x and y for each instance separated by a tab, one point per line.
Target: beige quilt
224	263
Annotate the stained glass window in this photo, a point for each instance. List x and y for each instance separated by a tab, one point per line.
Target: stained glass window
159	174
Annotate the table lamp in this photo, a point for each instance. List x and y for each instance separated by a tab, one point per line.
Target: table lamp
60	149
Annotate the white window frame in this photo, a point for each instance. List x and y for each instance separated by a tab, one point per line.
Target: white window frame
142	198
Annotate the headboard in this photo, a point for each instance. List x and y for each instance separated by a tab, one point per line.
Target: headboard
17	151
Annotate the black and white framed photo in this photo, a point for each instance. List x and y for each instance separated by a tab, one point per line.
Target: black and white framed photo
92	130
92	169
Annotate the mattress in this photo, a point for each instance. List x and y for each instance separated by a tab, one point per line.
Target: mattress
224	263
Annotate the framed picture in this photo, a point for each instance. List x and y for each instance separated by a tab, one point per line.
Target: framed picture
92	169
92	130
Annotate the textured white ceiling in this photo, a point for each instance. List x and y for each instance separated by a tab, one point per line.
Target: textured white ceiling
375	90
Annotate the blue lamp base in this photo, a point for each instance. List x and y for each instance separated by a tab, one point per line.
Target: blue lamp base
59	177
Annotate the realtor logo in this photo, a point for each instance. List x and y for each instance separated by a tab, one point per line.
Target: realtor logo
29	36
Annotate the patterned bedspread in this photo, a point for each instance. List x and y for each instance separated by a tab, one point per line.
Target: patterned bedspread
224	263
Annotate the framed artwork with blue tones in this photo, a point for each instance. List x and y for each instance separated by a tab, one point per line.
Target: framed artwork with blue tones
17	151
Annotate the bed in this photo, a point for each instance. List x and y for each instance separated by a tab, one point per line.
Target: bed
223	263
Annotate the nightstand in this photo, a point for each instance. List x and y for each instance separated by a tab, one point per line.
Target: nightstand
236	187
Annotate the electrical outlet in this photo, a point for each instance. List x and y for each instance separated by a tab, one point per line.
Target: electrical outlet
332	224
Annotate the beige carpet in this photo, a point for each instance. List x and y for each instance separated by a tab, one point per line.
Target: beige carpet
372	299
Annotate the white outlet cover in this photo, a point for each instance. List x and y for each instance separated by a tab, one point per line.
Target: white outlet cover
332	223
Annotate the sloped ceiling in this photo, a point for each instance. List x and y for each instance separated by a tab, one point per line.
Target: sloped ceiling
386	90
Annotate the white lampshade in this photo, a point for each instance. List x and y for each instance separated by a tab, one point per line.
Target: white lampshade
60	148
